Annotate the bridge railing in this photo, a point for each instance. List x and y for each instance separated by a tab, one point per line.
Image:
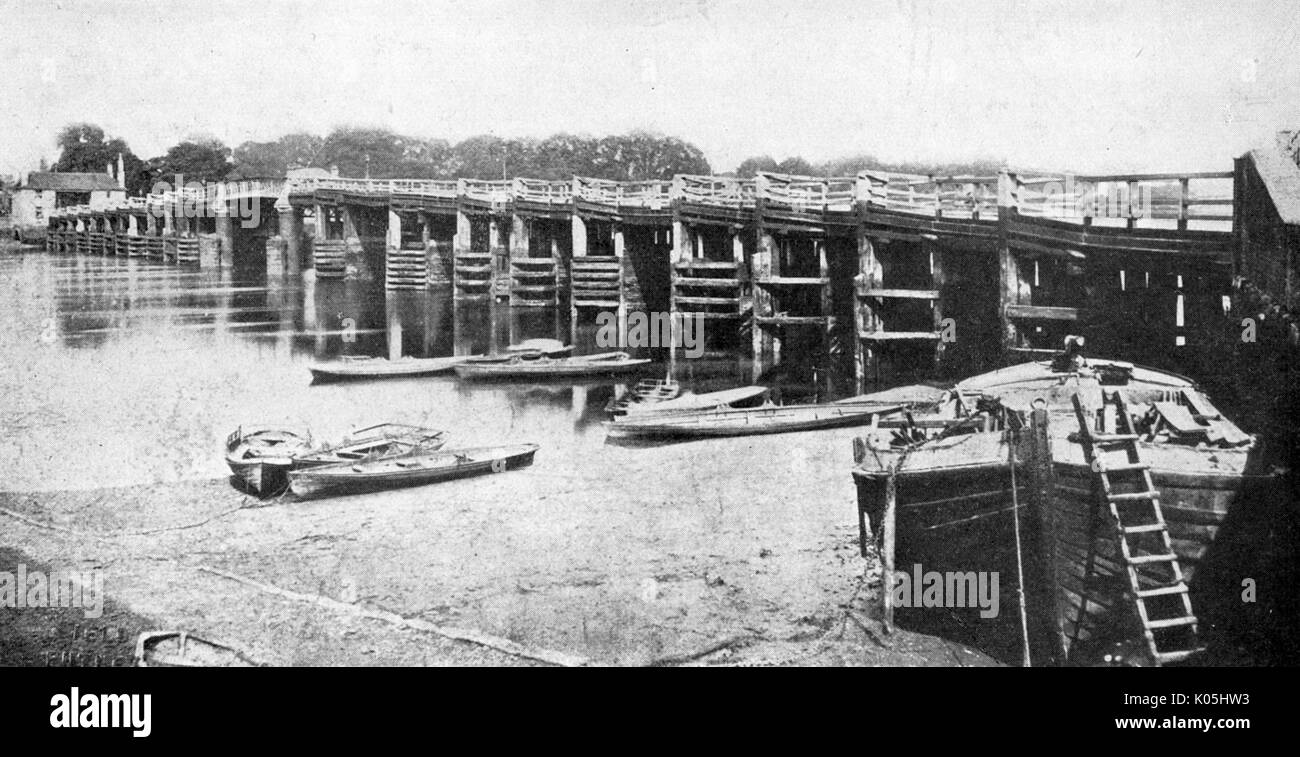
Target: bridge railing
714	190
653	194
940	196
541	190
1175	199
495	192
834	193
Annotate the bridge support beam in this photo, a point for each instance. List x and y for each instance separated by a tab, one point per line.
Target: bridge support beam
225	250
290	221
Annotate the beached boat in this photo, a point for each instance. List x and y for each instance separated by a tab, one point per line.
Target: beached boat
352	367
379	441
260	458
645	393
690	402
415	469
1033	439
768	419
179	649
605	364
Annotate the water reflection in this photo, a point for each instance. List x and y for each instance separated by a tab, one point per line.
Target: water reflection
147	366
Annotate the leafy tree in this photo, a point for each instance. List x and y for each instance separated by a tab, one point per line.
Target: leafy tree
273	159
83	149
197	159
796	166
643	155
752	165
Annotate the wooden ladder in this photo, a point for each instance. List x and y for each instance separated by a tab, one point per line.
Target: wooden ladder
1124	486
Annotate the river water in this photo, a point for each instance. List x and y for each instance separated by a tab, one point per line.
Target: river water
122	371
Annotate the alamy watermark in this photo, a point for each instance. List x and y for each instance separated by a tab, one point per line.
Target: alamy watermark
919	588
60	588
201	199
1072	198
653	329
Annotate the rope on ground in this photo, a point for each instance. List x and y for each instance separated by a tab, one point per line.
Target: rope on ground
457	634
110	535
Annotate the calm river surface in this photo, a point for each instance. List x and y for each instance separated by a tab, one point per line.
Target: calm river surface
122	371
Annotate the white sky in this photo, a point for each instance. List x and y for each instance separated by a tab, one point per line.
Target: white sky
1082	85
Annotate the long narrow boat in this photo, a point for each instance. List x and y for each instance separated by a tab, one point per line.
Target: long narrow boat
260	458
605	364
769	419
952	482
363	367
379	441
415	469
646	392
690	402
544	347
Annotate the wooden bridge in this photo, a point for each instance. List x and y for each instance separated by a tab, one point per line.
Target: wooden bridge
875	266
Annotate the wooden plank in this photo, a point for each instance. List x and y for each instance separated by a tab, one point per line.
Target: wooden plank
900	294
1043	312
895	336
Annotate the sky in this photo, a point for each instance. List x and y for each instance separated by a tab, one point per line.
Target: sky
1087	86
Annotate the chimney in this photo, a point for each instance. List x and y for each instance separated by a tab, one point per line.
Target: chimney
108	168
121	171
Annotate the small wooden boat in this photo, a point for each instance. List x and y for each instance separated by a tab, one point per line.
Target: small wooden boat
691	402
416	469
768	419
605	364
260	458
545	347
179	649
646	392
379	441
955	490
352	367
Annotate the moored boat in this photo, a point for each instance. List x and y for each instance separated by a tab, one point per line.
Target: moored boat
1013	441
768	419
364	367
260	458
544	347
415	469
645	393
605	364
379	441
690	402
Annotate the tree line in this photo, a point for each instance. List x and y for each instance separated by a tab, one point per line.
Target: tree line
384	154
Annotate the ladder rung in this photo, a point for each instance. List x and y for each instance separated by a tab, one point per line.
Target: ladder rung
1112	438
1162	591
1186	620
1122	467
1131	496
1145	528
1144	559
1178	655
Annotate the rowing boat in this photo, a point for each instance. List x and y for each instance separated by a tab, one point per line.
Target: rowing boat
260	458
379	441
609	363
769	419
689	401
546	347
364	367
416	469
646	392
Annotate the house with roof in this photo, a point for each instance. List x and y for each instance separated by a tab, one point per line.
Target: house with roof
41	192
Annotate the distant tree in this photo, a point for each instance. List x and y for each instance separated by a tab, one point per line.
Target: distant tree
274	159
483	156
196	159
82	148
643	155
752	165
360	150
796	166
